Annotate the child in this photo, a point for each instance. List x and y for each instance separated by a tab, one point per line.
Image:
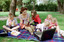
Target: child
11	23
30	28
35	17
46	25
43	27
54	24
49	18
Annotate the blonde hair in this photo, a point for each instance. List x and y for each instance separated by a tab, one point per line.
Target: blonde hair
47	23
49	16
54	20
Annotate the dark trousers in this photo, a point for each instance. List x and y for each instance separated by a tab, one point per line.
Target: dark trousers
35	23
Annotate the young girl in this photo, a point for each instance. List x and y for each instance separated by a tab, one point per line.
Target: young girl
54	24
35	17
49	18
43	27
11	23
46	25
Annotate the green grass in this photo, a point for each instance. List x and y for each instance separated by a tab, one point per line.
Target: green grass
43	15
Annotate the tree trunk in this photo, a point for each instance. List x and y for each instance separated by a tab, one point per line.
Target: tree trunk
33	4
60	6
13	7
63	6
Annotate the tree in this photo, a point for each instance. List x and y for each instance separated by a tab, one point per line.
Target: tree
34	1
5	5
13	7
61	6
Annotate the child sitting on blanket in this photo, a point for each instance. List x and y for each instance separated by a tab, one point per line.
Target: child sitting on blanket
11	23
35	17
49	18
45	26
54	24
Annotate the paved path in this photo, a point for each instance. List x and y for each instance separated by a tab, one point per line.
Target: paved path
4	18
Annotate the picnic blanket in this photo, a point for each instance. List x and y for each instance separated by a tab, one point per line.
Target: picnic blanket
26	35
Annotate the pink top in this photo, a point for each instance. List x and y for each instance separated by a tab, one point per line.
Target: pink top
47	20
53	24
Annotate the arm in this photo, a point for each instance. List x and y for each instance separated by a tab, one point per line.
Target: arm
31	21
15	28
38	19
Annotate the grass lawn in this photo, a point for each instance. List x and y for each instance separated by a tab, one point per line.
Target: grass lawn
43	15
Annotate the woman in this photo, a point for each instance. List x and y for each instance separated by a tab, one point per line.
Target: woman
24	16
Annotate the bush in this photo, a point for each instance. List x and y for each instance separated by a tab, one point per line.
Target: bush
6	6
48	7
29	6
0	7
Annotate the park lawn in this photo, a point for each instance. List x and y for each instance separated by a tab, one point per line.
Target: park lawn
43	15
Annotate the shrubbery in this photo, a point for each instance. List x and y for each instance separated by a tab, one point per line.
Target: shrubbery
48	7
4	6
29	6
0	7
43	7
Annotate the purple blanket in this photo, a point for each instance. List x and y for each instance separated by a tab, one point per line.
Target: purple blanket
26	35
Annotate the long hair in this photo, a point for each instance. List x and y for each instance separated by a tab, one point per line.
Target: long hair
49	16
34	12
